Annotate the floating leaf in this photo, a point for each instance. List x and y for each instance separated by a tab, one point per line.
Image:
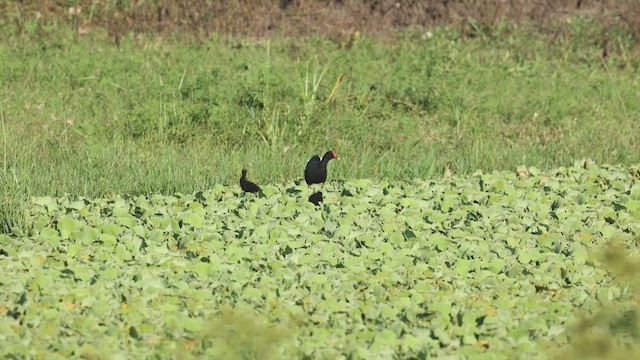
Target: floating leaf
67	226
192	219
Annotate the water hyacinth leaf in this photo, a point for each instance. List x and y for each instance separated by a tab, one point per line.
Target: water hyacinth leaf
341	232
108	239
192	219
330	225
442	335
76	205
111	229
121	252
269	190
318	279
67	225
44	200
441	243
73	250
395	237
126	220
462	267
633	206
437	218
255	209
384	339
5	239
497	265
192	325
449	203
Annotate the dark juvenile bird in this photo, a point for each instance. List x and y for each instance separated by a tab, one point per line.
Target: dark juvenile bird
246	185
316	198
316	170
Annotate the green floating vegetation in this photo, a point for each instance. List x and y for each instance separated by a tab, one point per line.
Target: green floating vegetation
489	265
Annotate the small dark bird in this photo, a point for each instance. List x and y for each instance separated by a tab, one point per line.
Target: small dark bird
316	170
316	198
246	185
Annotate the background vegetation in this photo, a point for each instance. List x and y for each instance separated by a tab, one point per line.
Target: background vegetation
334	18
164	111
136	97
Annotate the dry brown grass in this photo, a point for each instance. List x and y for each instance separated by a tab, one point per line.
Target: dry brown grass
303	17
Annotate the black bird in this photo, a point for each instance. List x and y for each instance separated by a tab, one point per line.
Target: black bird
316	198
247	185
316	170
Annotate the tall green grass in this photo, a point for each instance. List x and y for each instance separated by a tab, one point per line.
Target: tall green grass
161	114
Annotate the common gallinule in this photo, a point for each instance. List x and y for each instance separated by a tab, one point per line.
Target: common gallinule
316	170
246	185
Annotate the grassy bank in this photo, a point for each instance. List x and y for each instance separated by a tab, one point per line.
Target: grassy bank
159	114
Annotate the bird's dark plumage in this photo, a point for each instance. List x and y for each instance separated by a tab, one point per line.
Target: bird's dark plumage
316	170
247	185
316	198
